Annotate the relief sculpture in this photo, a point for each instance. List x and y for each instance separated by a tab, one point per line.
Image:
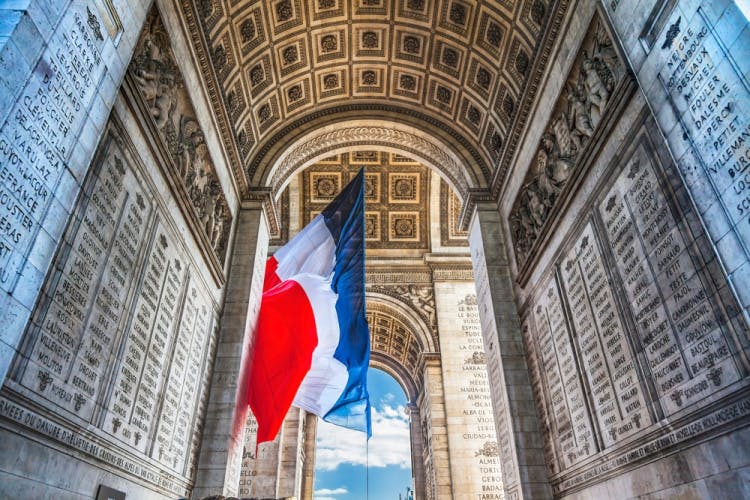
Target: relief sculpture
577	114
162	88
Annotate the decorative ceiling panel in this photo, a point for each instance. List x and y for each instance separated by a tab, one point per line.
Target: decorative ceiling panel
391	336
450	215
396	196
464	63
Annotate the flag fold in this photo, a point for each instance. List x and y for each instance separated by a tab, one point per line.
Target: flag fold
312	342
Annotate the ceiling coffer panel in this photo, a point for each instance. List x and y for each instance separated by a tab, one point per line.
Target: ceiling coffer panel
464	63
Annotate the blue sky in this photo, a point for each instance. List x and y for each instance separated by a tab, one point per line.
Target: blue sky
341	454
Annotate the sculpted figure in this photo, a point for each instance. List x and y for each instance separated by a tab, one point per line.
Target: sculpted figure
156	79
559	169
543	183
165	104
596	76
421	298
190	145
218	230
580	122
566	142
537	208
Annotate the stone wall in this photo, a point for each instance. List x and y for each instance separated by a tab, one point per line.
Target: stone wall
629	274
474	459
112	286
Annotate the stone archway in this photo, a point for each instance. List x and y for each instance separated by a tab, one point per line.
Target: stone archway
400	341
385	135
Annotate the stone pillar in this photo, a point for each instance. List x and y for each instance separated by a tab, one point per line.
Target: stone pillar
432	403
417	449
475	469
516	423
221	450
308	465
266	468
290	468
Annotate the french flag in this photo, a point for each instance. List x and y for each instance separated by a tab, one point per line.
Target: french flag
312	343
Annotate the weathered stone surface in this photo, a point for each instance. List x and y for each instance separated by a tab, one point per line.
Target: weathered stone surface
474	462
129	299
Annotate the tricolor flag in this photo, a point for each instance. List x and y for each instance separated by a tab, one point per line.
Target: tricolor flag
312	344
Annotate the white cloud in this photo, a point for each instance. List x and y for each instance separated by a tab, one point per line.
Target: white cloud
328	491
316	497
389	444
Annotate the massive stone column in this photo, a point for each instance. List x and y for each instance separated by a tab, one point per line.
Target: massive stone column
435	432
520	442
308	467
221	450
417	449
290	460
475	470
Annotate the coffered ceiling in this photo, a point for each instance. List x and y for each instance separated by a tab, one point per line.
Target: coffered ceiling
466	67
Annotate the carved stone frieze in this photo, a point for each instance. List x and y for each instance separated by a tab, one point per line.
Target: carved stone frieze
161	87
318	144
419	298
404	275
593	79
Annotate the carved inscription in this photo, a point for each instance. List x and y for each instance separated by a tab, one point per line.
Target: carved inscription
710	96
138	378
127	325
76	334
540	397
688	354
609	364
494	363
248	457
479	432
572	424
184	382
38	137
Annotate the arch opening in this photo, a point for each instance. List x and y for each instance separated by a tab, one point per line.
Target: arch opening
348	467
457	168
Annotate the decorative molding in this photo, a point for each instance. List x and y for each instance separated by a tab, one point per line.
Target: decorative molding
470	203
451	233
318	144
404	276
453	273
547	39
270	209
583	112
161	100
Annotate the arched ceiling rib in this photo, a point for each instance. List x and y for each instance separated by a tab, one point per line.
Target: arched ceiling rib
460	66
365	135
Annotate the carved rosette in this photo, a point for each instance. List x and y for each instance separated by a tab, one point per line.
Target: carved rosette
161	88
583	102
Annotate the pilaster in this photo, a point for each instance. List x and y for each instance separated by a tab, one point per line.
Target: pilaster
221	450
520	441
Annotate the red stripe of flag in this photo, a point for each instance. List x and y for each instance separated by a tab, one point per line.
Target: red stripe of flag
283	353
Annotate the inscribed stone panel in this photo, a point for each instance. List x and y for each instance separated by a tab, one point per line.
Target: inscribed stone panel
119	346
689	356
